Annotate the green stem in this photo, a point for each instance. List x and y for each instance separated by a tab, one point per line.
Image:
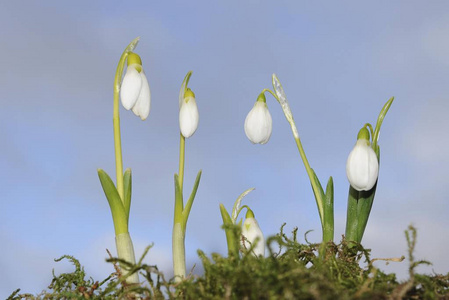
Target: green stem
370	127
316	191
271	92
181	214
125	251
116	118
178	235
117	138
182	148
302	153
326	222
179	256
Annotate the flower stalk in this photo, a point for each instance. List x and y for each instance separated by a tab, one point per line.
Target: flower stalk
116	115
361	201
119	194
324	200
181	212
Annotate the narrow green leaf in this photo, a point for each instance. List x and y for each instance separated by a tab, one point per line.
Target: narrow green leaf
380	120
237	203
328	232
188	207
365	204
178	201
319	198
115	203
231	238
225	215
330	192
127	197
352	219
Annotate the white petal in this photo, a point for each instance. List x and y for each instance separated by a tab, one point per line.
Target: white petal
188	117
251	231
130	88
143	104
258	124
362	167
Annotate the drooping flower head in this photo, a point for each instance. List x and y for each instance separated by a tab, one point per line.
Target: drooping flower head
253	235
188	114
135	90
258	122
362	167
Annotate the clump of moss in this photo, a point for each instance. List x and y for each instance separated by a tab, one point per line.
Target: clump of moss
292	271
296	271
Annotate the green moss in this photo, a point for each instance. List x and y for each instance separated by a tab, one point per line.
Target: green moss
291	271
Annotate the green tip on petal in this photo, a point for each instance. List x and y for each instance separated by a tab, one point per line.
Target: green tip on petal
133	58
189	93
249	214
363	134
262	98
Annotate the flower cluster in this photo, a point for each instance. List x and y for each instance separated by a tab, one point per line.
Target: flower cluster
362	166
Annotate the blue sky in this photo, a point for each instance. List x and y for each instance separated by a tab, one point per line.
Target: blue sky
338	62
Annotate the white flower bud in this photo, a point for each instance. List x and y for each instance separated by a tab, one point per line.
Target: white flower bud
258	122
253	235
362	167
135	90
188	115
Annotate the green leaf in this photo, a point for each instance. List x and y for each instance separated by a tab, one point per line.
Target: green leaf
127	196
225	215
189	203
236	208
115	203
328	230
380	120
319	198
325	203
178	201
231	238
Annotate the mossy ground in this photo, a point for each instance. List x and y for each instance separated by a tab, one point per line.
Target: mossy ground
293	271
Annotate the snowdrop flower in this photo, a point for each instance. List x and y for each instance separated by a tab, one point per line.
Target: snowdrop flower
135	91
258	123
362	167
188	114
253	235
